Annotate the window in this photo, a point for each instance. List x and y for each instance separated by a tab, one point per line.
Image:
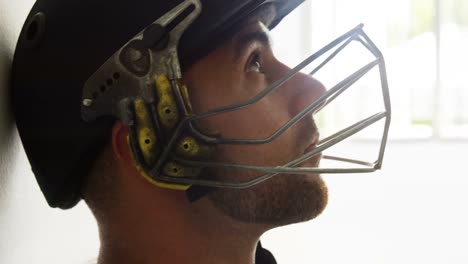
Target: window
423	43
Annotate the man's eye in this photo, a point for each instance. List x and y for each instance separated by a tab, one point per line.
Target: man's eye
254	64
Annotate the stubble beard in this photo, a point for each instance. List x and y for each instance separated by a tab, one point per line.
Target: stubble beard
282	200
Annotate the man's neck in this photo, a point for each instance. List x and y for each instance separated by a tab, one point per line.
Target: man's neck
179	233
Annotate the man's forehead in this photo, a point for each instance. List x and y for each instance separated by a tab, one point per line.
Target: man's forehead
255	27
254	33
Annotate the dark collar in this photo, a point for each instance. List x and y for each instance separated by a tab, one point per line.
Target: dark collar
263	256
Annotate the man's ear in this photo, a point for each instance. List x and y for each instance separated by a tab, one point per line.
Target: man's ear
119	143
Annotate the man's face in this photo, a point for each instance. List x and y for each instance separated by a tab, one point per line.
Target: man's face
235	72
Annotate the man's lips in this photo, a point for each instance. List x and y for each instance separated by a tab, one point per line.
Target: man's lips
313	161
314	141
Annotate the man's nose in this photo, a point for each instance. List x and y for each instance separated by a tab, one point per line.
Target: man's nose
302	90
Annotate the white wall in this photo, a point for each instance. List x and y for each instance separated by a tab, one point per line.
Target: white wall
31	232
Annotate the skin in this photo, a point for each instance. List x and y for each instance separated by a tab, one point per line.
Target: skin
251	68
156	225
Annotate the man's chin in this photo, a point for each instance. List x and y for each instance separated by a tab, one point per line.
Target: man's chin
282	200
308	200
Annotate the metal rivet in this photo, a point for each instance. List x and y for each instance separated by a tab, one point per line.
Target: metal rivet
87	102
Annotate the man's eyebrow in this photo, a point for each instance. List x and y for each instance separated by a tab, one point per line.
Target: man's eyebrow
245	40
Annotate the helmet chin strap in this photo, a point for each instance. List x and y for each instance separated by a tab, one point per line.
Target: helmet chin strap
196	192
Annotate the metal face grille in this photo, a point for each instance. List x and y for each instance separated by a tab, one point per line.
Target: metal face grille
330	51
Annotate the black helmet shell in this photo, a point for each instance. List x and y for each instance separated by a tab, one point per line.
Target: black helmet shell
62	43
